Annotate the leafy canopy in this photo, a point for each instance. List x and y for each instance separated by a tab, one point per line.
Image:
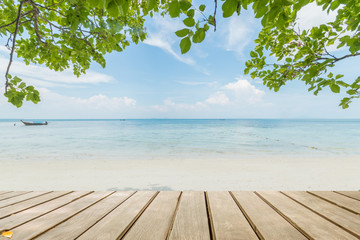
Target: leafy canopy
65	34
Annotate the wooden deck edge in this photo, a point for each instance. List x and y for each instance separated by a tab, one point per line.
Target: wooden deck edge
252	224
347	195
102	217
210	217
285	217
323	216
10	204
1	230
129	226
334	203
173	217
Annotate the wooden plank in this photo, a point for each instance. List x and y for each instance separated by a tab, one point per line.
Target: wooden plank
340	200
310	223
351	194
17	219
228	221
40	225
84	220
155	222
3	192
20	198
191	222
116	223
266	221
339	216
12	194
12	209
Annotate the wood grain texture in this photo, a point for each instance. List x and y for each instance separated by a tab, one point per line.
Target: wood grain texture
311	223
268	223
20	198
3	192
228	221
175	215
340	200
191	221
331	212
85	219
17	219
41	224
155	222
12	209
9	195
351	194
116	223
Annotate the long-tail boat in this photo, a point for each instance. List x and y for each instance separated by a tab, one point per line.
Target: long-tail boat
34	123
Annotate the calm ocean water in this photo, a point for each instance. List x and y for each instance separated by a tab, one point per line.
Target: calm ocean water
154	139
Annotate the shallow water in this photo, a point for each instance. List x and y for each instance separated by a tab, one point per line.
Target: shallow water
174	139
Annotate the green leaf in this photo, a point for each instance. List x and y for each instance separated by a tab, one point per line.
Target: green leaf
151	4
93	3
113	9
211	20
339	76
185	45
335	88
189	22
190	13
334	5
22	85
206	27
229	7
182	32
174	8
253	54
199	36
202	7
352	92
16	80
185	5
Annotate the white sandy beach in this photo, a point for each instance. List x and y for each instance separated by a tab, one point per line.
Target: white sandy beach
273	173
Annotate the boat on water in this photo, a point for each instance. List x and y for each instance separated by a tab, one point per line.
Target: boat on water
34	123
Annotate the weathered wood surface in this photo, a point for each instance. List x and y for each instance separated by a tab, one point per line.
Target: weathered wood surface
351	194
180	215
340	200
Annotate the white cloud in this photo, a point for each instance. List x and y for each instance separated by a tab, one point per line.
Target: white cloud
229	95
4	49
195	83
159	40
164	37
244	90
218	98
169	105
101	101
312	15
44	77
97	102
239	34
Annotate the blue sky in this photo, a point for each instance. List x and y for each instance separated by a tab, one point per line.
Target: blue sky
153	80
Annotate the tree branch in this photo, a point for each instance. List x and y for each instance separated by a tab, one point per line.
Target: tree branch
9	24
215	15
13	46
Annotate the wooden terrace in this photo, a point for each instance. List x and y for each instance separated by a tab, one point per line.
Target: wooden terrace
180	215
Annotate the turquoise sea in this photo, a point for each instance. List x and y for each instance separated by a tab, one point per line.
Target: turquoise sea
171	138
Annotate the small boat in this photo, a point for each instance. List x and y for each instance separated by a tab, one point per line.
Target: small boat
34	123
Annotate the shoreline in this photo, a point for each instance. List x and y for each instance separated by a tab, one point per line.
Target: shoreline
246	173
